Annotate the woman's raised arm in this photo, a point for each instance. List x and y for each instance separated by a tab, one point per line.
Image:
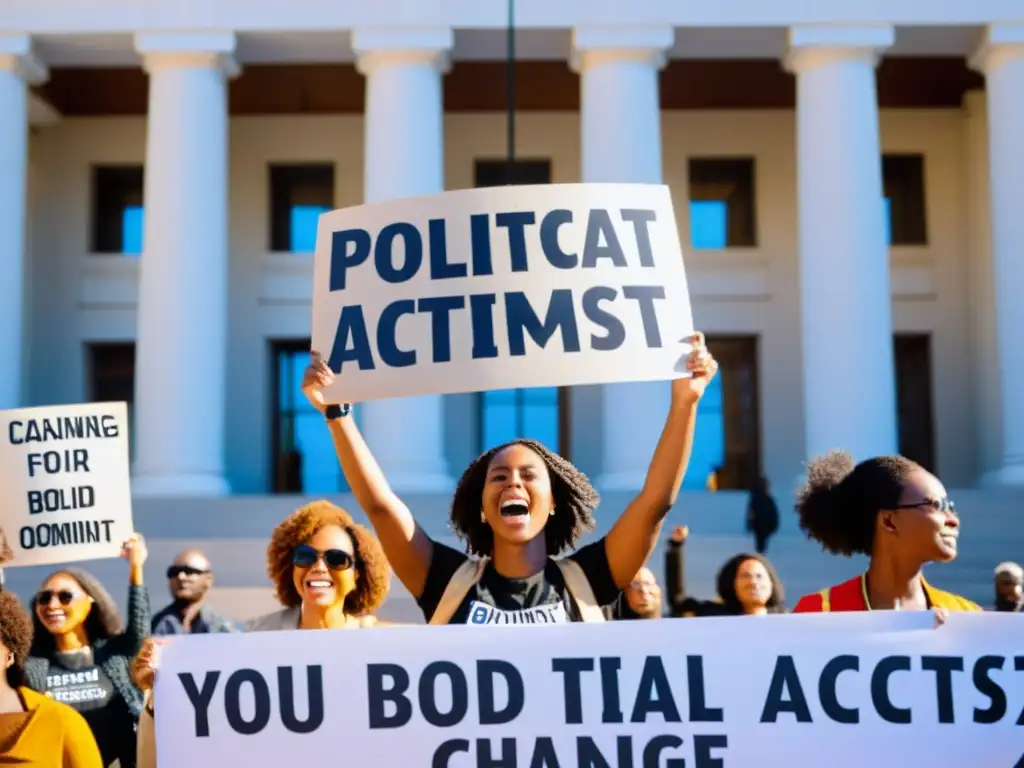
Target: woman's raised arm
632	538
407	546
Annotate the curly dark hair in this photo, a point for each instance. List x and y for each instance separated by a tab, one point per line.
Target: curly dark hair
102	622
840	500
16	635
374	573
575	500
726	581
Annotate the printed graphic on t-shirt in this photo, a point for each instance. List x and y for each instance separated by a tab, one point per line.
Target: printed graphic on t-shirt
82	688
481	613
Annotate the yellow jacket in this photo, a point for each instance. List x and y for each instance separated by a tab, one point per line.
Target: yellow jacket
49	733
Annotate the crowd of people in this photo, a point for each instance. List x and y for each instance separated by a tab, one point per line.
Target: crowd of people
78	687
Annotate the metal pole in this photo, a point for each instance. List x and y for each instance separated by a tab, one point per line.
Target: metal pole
510	87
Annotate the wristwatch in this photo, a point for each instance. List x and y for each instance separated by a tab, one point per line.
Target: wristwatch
335	412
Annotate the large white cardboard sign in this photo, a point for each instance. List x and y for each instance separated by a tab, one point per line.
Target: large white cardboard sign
66	483
881	689
502	287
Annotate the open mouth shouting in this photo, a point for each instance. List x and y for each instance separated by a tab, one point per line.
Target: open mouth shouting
515	511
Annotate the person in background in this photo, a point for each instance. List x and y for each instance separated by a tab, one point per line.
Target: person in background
519	506
329	572
640	600
675	569
190	578
895	512
747	584
34	729
762	515
1009	584
81	654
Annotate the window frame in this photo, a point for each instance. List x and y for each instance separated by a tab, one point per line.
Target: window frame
283	179
122	181
700	171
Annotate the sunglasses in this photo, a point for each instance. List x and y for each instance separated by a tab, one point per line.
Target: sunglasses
45	596
184	570
304	556
939	505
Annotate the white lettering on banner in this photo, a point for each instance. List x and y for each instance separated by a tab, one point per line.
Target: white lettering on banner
502	287
65	474
846	689
482	614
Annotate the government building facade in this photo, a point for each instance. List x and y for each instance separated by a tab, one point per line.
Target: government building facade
845	177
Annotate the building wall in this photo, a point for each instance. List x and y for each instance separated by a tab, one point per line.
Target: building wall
78	298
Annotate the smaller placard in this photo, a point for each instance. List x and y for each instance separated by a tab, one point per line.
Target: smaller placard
66	483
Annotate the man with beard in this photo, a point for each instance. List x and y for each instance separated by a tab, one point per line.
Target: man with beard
190	578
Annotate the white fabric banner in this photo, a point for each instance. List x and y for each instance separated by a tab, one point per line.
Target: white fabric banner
499	288
838	690
66	483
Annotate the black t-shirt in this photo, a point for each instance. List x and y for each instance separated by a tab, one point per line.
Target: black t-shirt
538	599
75	680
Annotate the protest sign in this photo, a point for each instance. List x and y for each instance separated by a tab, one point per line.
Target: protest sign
845	690
66	483
499	288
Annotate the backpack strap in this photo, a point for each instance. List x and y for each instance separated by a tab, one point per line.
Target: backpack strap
578	584
466	577
826	601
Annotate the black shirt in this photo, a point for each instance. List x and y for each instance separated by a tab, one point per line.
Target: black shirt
538	599
75	680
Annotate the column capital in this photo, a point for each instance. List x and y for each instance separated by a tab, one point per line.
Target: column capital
18	56
594	44
999	44
811	46
376	46
214	50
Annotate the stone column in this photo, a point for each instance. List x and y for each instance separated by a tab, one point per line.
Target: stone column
181	337
1000	57
845	294
620	116
19	69
404	157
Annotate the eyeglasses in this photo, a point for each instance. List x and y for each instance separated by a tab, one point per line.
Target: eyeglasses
939	505
45	596
184	570
305	556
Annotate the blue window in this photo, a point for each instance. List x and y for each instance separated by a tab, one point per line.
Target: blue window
117	209
708	439
709	224
506	414
727	440
305	461
131	226
299	194
722	205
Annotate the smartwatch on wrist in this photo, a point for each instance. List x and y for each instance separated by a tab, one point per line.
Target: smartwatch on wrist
335	412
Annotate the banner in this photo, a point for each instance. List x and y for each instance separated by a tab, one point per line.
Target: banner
499	288
883	689
66	483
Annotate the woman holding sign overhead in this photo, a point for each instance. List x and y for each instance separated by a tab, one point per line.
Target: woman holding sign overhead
892	510
82	653
518	506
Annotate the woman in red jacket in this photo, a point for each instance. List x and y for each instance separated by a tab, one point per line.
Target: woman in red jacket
892	510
